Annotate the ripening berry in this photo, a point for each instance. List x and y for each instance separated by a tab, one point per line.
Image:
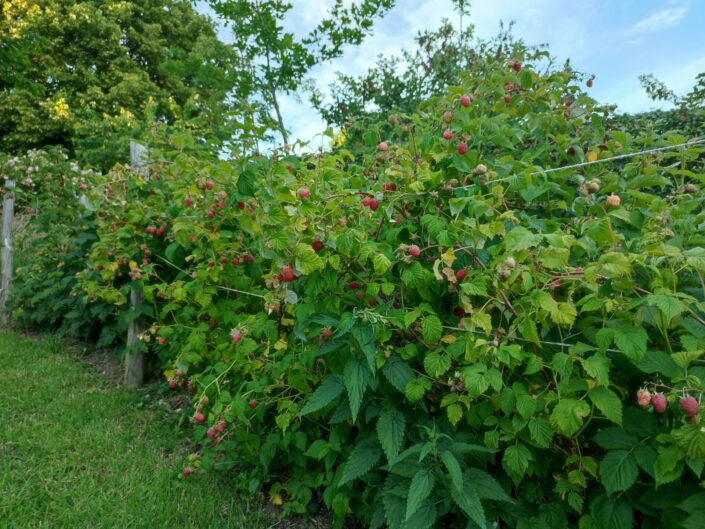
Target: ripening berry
382	146
304	193
643	398
220	427
366	201
507	99
241	205
209	185
188	202
516	65
374	204
173	384
288	274
447	134
462	148
465	100
353	285
186	472
459	311
414	251
659	402
199	417
689	405
460	274
316	245
447	117
252	404
235	335
161	340
589	83
211	433
613	201
326	333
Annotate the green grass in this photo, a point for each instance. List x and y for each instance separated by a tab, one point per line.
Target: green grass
78	452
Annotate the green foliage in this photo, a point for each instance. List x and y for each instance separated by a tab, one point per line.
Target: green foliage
89	75
397	389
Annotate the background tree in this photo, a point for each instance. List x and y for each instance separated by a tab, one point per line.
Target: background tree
86	75
277	61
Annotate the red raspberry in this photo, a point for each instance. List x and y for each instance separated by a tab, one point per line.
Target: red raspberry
659	402
689	405
460	274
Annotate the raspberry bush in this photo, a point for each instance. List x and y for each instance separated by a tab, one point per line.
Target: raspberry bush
420	335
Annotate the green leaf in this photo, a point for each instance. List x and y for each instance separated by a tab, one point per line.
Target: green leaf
631	341
423	518
618	470
246	183
485	485
419	489
398	373
613	438
670	306
526	80
362	459
436	363
307	260
356	375
390	432
669	465
611	514
516	460
519	238
541	431
691	438
431	328
598	367
381	263
568	415
658	362
365	338
469	501
454	413
564	313
416	389
608	403
326	393
453	467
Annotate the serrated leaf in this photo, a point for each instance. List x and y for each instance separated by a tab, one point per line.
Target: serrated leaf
516	460
361	460
691	438
540	431
618	470
611	513
519	238
455	413
436	363
453	467
613	438
431	328
423	518
669	305
658	362
485	485
381	263
326	393
415	390
598	367
568	415
397	372
607	402
631	341
390	432
419	489
469	501
356	376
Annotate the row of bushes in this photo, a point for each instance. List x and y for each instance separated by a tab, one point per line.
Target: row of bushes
431	331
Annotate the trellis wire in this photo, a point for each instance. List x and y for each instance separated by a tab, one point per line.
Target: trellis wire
695	141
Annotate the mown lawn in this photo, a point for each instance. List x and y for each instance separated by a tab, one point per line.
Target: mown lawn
77	451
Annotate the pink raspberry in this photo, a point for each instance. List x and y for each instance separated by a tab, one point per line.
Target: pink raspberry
643	398
689	405
659	402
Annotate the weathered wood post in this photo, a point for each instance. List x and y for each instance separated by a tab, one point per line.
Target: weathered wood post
134	357
6	248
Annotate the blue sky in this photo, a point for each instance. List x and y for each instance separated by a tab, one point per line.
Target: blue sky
617	40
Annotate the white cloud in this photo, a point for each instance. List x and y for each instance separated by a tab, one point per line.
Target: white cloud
659	20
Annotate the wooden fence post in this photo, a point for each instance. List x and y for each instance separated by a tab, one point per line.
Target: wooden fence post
6	249
134	358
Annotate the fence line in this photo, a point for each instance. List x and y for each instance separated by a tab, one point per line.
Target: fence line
6	249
